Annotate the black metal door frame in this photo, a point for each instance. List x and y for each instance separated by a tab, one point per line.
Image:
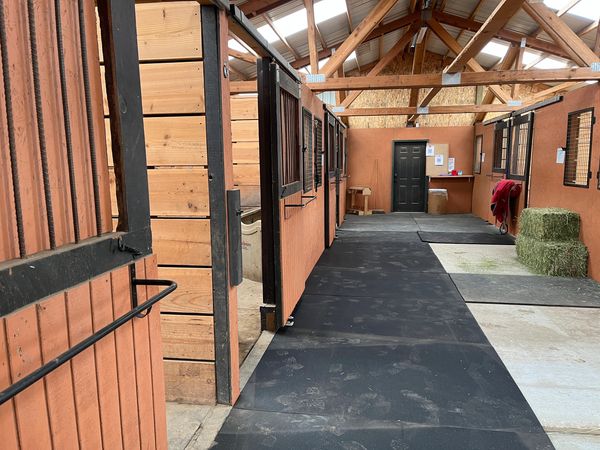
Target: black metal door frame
329	173
424	174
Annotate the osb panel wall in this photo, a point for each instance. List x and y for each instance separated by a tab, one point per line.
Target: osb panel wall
171	72
546	188
370	161
402	65
27	142
302	230
111	395
244	138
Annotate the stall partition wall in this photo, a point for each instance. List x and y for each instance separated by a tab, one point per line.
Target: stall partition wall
112	394
174	70
546	188
244	137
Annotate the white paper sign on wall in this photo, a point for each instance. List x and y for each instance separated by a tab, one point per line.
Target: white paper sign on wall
560	156
430	150
439	160
451	164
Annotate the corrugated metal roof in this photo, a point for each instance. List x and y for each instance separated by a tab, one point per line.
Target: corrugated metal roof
335	30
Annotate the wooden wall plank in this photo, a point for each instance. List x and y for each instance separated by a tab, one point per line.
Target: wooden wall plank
194	290
246	174
244	131
79	314
245	152
170	88
23	345
179	192
143	367
168	30
52	319
244	108
190	381
250	195
106	363
188	337
172	141
158	380
182	241
8	423
130	427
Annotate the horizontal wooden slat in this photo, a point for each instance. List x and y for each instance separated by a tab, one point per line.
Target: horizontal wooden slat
244	131
178	192
250	196
246	153
246	174
170	88
190	382
193	293
167	31
243	108
184	242
188	337
172	141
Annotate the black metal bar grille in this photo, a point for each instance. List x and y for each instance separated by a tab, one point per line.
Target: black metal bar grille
318	152
307	150
47	368
477	155
11	131
501	144
40	121
290	158
519	150
579	148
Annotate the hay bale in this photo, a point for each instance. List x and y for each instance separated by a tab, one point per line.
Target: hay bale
549	224
553	258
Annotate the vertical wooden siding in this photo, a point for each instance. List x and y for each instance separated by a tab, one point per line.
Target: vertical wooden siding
171	72
244	137
27	140
109	396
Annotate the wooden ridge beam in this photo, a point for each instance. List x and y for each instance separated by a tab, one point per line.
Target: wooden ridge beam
561	33
383	62
432	110
436	80
357	36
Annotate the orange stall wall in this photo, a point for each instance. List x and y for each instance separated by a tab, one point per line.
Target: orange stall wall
546	186
302	230
370	161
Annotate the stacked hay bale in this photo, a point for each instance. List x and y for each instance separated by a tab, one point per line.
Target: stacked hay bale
548	242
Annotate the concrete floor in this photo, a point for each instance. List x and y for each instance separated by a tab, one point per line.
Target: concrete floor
249	301
551	352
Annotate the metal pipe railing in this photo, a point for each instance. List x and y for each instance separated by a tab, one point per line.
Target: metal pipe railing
47	368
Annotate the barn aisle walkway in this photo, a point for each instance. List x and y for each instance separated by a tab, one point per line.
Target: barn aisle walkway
384	354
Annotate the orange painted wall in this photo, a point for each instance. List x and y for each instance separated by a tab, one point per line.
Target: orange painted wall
370	161
546	188
302	230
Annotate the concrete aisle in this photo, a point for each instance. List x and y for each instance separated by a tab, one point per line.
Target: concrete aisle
384	354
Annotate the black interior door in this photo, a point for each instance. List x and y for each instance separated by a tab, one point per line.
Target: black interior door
409	177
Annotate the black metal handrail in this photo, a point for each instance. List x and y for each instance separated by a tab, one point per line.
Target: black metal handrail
47	368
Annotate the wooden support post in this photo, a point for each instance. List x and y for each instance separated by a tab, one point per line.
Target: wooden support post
311	30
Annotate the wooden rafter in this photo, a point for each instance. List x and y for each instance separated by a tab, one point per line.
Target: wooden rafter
554	90
561	33
312	41
436	80
357	36
281	36
441	109
597	42
518	66
471	17
383	62
565	9
253	8
248	57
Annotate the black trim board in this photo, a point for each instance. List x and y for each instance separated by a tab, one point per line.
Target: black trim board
217	199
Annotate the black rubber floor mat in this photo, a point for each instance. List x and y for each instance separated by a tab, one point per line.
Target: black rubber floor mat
267	430
466	238
528	290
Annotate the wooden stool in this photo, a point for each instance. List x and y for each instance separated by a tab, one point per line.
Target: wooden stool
365	192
